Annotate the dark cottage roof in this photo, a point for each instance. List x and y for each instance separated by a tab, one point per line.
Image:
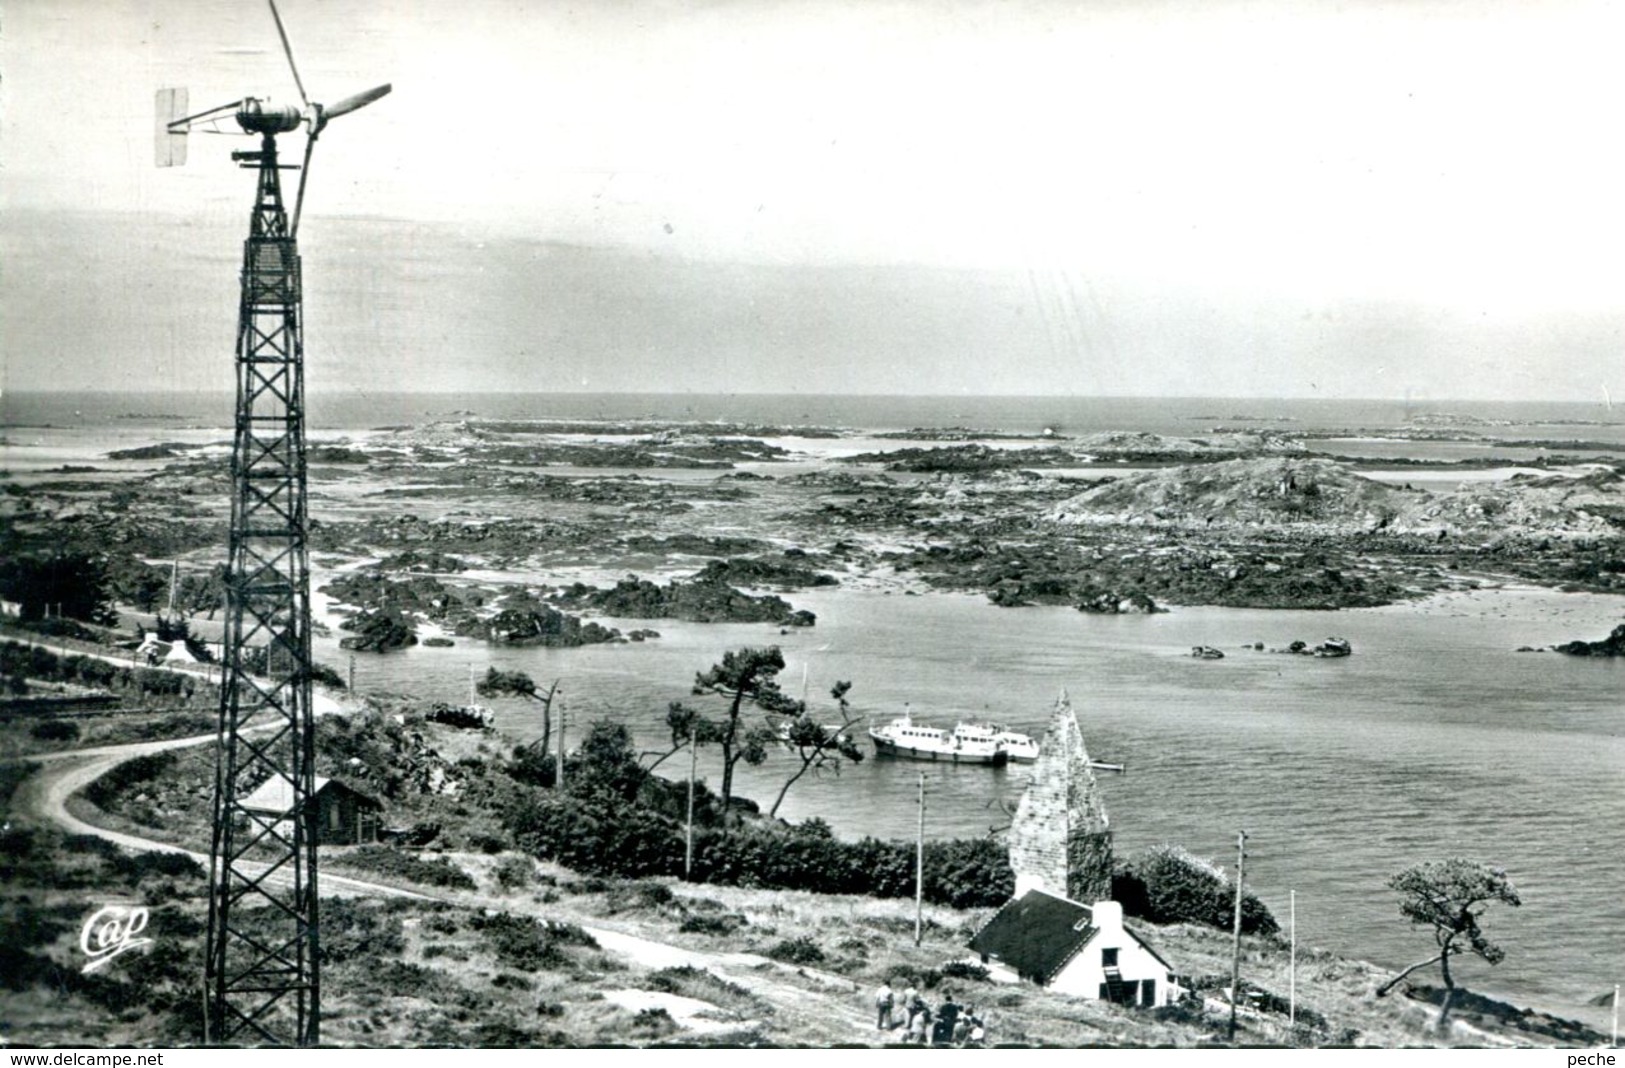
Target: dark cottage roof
1036	935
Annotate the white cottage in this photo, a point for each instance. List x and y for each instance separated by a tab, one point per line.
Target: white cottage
1082	950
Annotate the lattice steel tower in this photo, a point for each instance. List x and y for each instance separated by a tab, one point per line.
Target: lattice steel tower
262	967
262	962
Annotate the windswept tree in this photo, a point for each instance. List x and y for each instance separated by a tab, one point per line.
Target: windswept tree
205	593
518	684
747	677
820	746
1450	896
133	581
685	725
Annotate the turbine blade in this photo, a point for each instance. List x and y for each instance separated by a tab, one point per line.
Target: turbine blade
304	176
288	50
359	100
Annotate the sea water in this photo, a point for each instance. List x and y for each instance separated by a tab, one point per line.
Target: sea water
1434	739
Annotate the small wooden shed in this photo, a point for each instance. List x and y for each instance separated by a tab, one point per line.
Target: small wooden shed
344	815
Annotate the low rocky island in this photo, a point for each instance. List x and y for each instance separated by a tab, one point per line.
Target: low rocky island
439	518
702	599
1613	645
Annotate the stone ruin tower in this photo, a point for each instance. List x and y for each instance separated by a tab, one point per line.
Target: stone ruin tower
1060	840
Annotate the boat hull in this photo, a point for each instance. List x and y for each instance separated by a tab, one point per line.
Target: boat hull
888	748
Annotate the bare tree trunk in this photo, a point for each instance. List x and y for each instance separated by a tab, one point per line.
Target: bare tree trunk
729	759
806	763
1449	991
547	718
663	757
1390	984
728	762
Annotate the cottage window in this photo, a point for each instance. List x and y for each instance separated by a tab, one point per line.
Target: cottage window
334	818
1108	958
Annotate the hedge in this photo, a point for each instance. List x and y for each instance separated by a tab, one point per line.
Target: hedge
631	842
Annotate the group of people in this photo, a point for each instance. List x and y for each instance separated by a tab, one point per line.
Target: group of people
950	1024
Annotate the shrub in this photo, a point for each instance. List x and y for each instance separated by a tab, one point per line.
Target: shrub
652	1023
515	872
391	863
351	930
798	950
108	790
639	895
170	865
598	838
964	969
1165	884
602	837
55	730
528	945
725	924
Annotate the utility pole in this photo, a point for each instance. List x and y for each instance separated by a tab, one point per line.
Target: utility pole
919	869
1235	952
352	673
1292	965
688	832
558	778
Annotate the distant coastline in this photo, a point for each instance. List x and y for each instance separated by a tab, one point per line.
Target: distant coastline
1066	415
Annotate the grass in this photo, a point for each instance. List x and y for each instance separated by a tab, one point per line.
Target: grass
18	736
414	973
395	866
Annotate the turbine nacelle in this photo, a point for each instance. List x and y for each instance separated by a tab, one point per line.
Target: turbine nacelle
261	117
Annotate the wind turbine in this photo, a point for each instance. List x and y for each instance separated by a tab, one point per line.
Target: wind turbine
261	972
257	116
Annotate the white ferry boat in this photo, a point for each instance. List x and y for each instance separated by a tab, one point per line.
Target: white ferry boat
1020	748
967	743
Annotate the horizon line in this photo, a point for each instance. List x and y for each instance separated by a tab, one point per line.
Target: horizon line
500	392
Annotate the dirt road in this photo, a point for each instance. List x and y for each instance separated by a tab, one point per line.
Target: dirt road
812	1006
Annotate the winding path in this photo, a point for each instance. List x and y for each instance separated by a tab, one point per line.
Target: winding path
833	1012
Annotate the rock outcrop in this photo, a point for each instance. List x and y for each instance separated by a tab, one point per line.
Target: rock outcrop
1325	496
1274	492
697	600
1613	645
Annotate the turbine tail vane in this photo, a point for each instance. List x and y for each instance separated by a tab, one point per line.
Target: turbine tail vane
171	144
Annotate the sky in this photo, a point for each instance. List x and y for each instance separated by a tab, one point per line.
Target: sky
1363	199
